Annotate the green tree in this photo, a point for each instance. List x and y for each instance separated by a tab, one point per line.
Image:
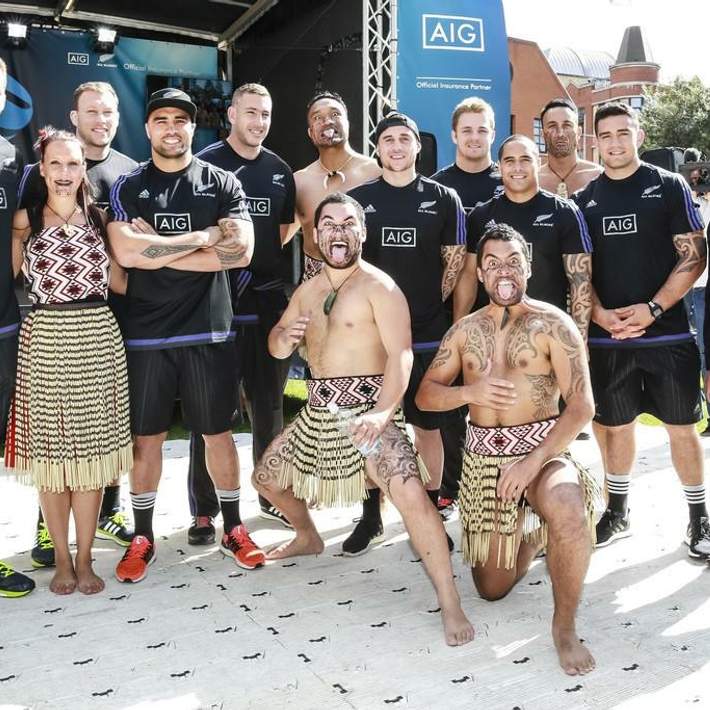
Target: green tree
678	114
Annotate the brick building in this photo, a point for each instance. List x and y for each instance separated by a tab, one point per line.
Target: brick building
589	79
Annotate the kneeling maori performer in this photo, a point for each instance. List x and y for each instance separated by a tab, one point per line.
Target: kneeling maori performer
356	326
520	488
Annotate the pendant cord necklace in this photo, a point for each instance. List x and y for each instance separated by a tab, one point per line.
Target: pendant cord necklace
330	298
338	172
63	219
562	190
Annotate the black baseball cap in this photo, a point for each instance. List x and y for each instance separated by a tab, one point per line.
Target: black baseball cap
171	97
396	119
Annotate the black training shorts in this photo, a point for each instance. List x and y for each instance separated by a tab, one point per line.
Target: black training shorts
663	381
202	377
414	415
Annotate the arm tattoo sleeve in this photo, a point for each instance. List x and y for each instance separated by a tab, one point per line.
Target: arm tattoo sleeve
453	258
578	268
156	252
692	250
230	257
445	349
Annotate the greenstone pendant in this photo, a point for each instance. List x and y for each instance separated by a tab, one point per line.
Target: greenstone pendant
329	302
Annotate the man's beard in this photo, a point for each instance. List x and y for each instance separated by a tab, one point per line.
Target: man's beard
559	152
168	156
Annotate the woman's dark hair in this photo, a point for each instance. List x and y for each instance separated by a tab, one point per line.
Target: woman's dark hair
85	196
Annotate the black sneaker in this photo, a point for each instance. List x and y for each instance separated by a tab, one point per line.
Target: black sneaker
270	512
446	507
113	527
363	535
612	526
202	531
43	552
14	584
697	539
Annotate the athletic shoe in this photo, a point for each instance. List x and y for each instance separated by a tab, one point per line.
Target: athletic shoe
43	552
363	535
202	531
270	512
14	584
242	549
612	526
446	507
113	527
133	566
698	538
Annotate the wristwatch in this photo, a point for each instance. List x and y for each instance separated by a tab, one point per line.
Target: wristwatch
656	310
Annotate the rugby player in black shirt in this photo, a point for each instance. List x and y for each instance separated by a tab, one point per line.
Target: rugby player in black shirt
649	248
475	178
179	224
12	584
557	237
258	293
416	234
94	115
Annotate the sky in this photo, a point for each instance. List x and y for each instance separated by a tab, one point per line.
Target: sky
668	26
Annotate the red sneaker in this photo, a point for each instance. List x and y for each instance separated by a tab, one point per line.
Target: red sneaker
238	545
133	566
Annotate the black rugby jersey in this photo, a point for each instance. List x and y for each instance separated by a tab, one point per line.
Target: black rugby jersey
550	225
473	188
271	195
10	172
166	307
102	174
406	228
632	223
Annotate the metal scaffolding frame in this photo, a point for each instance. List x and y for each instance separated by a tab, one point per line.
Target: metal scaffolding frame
379	65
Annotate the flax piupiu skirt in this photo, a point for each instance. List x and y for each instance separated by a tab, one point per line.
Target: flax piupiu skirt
69	421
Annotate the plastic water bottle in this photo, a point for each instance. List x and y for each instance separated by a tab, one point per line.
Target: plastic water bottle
346	420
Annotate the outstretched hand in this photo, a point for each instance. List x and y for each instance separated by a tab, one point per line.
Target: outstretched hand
492	392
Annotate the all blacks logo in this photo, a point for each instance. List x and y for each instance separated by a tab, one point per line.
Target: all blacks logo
622	224
399	237
259	206
169	223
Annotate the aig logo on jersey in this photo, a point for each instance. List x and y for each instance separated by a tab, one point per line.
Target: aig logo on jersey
259	206
3	199
616	226
453	32
399	237
167	223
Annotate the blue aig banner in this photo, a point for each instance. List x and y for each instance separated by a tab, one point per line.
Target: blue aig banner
449	50
42	78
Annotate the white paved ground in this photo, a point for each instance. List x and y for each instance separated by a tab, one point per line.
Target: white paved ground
332	632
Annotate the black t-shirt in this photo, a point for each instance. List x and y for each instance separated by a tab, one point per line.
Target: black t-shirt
632	223
102	174
10	171
550	225
271	195
406	229
473	188
166	307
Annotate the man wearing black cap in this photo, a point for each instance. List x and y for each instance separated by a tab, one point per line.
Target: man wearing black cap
178	224
416	234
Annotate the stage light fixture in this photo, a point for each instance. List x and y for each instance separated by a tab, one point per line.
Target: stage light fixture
16	33
105	39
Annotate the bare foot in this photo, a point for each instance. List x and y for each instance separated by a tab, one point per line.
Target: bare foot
300	545
64	580
575	659
457	628
88	581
